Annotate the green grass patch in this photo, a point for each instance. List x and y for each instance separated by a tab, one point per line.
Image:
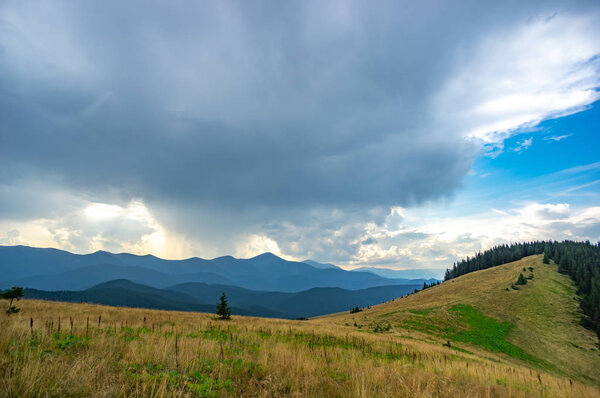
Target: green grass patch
67	341
198	383
473	327
486	332
205	386
130	334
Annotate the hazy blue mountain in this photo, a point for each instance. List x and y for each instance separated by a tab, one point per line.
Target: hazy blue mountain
320	265
202	297
326	300
51	269
86	277
18	262
308	303
125	293
428	274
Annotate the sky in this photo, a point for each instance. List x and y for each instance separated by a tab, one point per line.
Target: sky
391	134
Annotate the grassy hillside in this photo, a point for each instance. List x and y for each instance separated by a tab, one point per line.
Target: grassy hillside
503	338
480	312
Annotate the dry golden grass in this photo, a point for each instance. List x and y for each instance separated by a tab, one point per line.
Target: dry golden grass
325	357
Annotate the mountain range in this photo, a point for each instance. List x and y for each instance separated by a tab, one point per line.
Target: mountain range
201	297
52	269
265	285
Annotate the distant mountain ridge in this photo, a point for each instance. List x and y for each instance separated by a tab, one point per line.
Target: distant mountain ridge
429	274
413	273
202	297
320	265
124	293
53	269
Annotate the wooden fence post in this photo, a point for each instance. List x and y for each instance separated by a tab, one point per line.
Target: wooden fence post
176	353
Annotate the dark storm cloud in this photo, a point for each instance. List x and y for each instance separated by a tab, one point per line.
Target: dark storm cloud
301	104
259	107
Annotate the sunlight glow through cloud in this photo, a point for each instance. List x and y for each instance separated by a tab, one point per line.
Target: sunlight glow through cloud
102	212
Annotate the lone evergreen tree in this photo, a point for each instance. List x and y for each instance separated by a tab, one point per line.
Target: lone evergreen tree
521	280
223	310
546	260
12	294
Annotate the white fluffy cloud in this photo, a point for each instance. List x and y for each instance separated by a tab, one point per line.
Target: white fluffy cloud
521	75
439	242
254	245
522	145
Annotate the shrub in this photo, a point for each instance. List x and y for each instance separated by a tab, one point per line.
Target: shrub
381	329
12	310
15	293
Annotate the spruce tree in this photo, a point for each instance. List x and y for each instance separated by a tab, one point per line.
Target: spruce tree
521	280
223	310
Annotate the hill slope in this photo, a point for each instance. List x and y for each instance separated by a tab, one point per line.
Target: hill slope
536	325
108	351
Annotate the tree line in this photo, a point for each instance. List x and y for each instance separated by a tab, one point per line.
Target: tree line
497	255
579	260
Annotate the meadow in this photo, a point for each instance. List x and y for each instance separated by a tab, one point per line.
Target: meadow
459	347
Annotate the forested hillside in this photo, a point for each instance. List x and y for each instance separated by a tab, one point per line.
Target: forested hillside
580	260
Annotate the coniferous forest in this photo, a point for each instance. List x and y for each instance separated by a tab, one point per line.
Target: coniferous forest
579	260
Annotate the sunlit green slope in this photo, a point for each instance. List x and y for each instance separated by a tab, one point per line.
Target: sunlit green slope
484	312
